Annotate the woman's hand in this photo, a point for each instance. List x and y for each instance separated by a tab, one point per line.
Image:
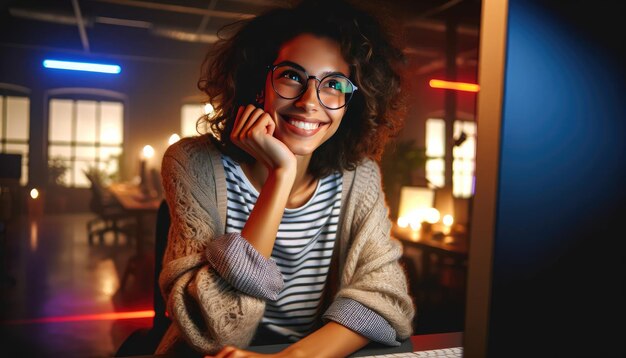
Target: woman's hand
234	352
254	132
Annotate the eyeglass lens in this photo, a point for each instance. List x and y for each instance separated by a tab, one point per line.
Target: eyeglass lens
334	91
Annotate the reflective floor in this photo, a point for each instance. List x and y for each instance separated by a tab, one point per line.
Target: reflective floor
59	292
61	296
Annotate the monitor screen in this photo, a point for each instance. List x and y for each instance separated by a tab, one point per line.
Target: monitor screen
546	262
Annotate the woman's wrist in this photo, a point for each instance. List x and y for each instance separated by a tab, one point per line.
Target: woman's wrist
283	175
262	224
331	340
294	351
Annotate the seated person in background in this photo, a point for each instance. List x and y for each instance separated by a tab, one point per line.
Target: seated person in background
280	230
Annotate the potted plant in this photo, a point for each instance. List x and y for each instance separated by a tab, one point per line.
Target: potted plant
56	198
400	163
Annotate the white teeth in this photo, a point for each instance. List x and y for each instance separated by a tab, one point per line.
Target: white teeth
304	125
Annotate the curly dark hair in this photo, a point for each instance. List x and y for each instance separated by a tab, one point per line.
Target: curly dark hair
234	73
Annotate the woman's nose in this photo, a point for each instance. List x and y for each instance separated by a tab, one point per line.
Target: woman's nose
309	101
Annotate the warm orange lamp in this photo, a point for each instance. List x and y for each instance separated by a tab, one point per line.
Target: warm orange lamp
457	86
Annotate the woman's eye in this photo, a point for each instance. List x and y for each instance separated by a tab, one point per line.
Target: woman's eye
292	75
335	85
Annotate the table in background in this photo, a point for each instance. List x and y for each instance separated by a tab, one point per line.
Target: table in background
140	204
436	267
451	249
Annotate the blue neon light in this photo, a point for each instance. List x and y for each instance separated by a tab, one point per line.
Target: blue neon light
82	66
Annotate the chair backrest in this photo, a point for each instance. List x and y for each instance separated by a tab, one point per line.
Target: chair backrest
155	176
101	197
10	173
160	321
96	203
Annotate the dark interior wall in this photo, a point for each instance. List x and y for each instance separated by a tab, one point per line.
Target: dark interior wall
424	102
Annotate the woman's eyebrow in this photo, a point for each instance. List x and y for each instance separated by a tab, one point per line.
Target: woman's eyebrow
328	73
292	64
298	67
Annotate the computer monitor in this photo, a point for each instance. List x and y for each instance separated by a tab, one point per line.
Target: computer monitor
546	259
10	167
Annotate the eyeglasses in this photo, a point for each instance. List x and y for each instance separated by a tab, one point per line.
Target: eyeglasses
290	81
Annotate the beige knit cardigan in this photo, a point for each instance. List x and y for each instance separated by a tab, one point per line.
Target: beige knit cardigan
208	313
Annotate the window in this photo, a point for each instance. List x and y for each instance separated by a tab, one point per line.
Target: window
463	155
84	134
435	151
190	113
14	129
463	162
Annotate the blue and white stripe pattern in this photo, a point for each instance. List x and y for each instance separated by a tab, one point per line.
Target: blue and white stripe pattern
302	250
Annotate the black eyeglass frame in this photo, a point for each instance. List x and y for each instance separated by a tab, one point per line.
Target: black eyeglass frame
306	83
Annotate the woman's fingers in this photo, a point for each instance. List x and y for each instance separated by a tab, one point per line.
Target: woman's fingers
253	127
237	126
264	124
234	352
260	131
245	121
245	118
253	132
243	113
253	118
225	352
270	125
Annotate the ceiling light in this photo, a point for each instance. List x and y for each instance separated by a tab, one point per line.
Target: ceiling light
82	66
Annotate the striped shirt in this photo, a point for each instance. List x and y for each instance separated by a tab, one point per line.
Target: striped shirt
302	250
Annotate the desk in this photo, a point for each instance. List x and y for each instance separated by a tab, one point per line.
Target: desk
134	198
138	203
448	251
423	342
451	244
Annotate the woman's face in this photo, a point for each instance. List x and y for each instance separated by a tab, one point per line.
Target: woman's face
303	123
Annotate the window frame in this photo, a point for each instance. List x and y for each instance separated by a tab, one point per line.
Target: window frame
87	94
457	188
198	130
13	90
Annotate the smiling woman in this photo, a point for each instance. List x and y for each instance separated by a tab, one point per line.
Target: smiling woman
236	71
280	230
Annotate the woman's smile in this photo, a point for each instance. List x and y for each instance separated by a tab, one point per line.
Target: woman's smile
302	126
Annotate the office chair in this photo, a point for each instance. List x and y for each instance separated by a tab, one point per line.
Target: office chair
10	173
144	341
111	216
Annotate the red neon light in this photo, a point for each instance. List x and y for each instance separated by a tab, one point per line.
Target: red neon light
457	86
87	317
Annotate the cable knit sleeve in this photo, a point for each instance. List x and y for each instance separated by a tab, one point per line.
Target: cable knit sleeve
207	311
373	297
